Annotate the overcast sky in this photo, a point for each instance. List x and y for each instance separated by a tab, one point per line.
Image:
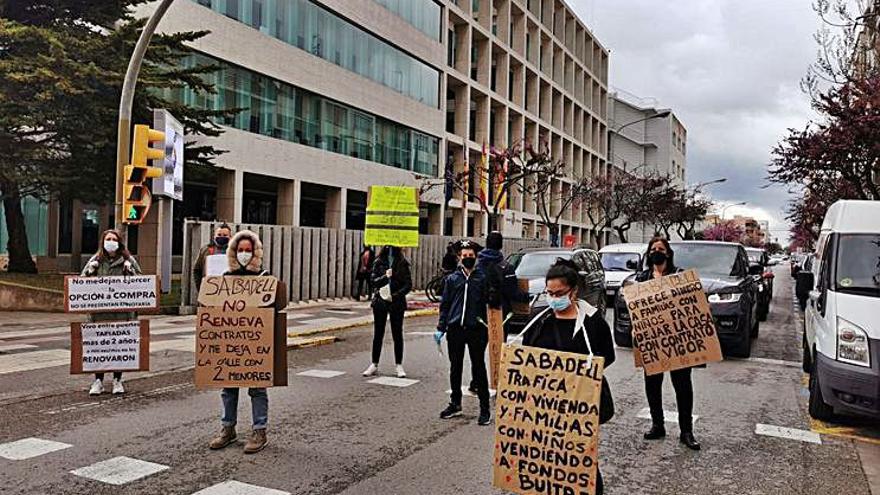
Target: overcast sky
730	71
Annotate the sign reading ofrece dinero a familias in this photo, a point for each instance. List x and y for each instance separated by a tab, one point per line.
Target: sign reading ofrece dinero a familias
109	346
117	293
241	336
547	421
672	325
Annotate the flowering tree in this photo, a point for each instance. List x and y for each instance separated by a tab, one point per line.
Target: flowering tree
725	231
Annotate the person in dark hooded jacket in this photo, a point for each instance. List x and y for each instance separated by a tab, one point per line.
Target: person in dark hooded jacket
245	258
463	322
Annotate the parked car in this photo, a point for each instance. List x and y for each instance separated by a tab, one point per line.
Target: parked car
758	259
533	264
841	329
732	289
619	262
804	280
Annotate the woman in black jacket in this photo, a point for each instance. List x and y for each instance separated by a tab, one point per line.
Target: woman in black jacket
392	281
661	262
556	330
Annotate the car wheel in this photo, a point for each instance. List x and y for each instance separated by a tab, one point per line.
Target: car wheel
744	348
817	406
756	323
763	311
806	361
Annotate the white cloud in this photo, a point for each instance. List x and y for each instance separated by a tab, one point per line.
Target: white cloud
730	69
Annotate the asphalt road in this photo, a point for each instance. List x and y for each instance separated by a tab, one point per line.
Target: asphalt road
345	435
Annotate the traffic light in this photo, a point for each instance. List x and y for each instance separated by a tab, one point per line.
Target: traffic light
136	196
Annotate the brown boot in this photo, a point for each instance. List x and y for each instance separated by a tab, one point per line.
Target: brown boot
227	436
256	442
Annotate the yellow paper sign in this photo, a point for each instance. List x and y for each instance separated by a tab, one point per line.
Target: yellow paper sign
392	217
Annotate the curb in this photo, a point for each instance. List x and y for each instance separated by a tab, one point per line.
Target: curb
359	322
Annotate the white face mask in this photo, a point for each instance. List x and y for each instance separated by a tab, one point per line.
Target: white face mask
111	246
244	258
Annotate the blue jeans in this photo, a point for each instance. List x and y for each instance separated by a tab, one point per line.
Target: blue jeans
259	407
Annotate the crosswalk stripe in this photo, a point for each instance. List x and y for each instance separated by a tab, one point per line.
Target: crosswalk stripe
668	416
119	470
233	487
15	347
27	361
27	448
321	373
321	321
393	382
788	433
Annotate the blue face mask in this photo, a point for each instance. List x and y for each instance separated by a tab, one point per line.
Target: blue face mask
558	303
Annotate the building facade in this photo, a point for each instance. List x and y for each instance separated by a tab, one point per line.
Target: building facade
339	95
643	139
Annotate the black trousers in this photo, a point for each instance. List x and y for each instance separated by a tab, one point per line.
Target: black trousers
684	397
361	280
381	313
116	375
475	340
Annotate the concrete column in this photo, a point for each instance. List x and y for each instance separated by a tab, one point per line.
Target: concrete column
76	235
286	209
334	209
230	195
148	240
435	219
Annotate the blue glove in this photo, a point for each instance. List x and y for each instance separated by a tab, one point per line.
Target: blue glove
438	336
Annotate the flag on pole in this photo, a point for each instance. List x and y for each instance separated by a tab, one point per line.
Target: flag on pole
448	179
501	176
484	176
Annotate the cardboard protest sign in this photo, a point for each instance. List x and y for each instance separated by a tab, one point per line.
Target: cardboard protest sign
109	346
672	325
392	216
241	336
118	293
547	421
495	322
522	308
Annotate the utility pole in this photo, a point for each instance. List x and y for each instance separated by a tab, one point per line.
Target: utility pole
123	142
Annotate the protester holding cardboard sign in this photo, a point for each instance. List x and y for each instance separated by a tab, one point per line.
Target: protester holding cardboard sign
112	258
661	262
572	325
245	258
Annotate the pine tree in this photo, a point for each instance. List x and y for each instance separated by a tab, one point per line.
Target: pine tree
62	63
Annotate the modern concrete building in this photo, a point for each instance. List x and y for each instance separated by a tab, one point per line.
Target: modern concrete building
339	95
645	137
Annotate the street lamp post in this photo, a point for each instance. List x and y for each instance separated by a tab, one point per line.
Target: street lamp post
659	115
742	203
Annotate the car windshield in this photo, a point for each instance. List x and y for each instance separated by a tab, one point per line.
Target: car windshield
858	264
709	260
533	265
616	262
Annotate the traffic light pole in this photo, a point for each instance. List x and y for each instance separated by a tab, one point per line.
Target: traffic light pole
123	143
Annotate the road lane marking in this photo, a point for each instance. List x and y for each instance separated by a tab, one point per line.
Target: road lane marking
184	344
297	316
233	487
778	362
862	433
321	321
788	433
119	470
117	398
321	373
668	416
467	393
393	382
16	347
27	448
27	361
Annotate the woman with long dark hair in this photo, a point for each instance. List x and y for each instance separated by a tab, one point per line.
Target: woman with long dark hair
661	262
571	324
392	281
112	258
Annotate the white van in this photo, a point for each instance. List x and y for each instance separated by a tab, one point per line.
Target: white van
620	261
842	317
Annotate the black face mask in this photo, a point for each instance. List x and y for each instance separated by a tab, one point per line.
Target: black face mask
469	263
657	257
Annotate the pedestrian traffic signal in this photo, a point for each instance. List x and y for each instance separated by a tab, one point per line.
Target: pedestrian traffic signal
137	198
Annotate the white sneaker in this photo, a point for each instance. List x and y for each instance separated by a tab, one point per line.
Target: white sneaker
117	387
97	387
400	372
371	370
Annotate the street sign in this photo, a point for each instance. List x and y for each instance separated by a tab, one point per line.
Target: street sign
170	184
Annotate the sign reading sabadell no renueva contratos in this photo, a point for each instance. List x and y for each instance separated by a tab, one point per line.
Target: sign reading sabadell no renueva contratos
110	294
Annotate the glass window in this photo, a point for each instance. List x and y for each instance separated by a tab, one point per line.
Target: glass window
310	27
272	108
858	264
